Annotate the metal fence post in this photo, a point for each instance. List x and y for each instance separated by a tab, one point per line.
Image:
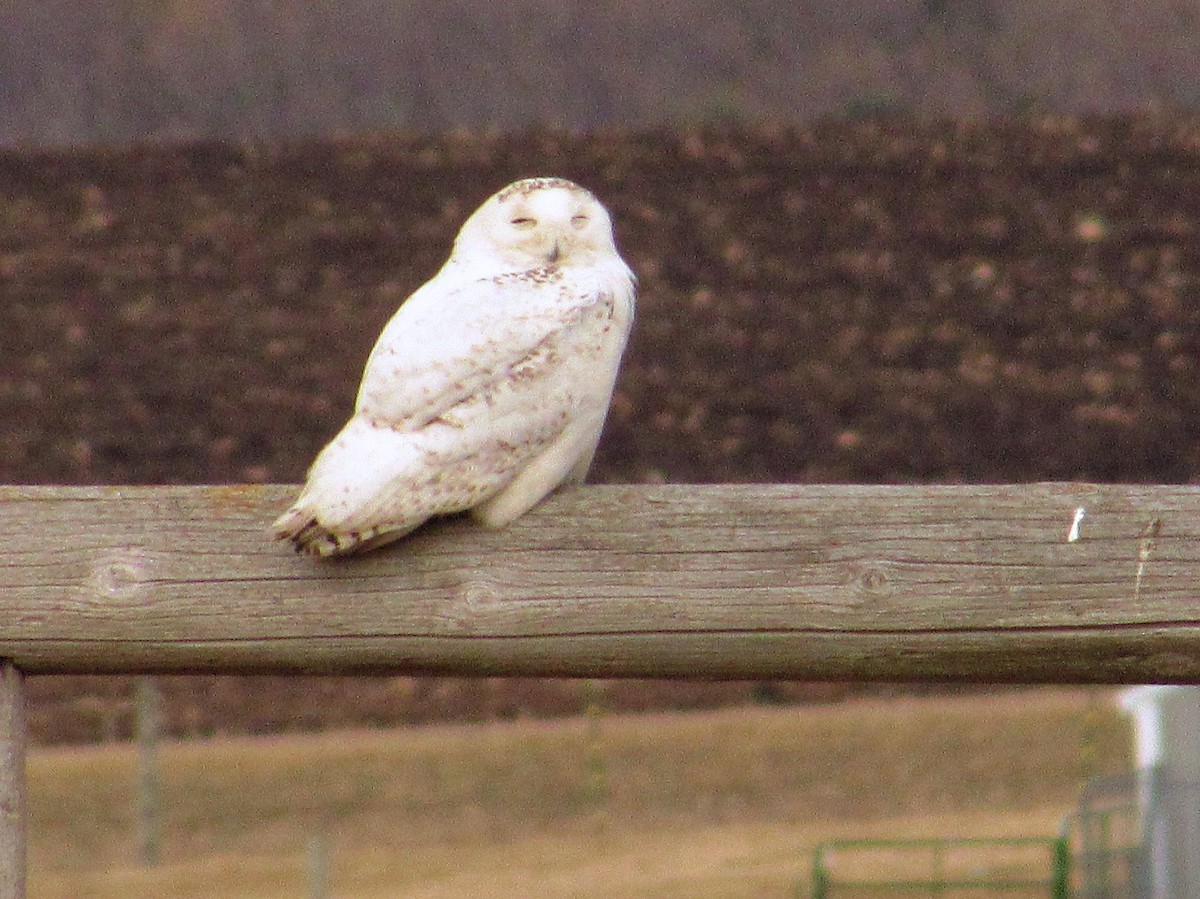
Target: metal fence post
12	782
820	874
1060	885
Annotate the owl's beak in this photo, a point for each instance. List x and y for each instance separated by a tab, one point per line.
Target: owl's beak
554	253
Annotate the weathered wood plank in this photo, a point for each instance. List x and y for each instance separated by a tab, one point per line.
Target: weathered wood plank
943	583
12	783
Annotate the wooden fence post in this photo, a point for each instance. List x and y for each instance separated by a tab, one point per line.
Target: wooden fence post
318	865
12	782
149	734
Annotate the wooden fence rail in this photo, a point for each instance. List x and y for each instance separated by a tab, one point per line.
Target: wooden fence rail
1042	583
847	582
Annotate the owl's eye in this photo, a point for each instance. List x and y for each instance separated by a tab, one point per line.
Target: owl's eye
579	220
523	221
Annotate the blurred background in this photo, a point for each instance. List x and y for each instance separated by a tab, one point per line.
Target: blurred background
885	242
73	71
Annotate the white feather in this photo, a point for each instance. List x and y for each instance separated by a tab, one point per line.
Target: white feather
489	387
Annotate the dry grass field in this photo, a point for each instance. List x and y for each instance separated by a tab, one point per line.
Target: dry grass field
726	803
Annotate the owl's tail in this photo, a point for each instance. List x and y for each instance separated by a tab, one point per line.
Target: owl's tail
300	527
352	500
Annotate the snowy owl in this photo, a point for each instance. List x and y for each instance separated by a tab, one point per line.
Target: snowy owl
489	386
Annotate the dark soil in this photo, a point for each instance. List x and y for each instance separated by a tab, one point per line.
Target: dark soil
854	302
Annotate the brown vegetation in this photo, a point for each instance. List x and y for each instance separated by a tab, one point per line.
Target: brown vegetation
871	301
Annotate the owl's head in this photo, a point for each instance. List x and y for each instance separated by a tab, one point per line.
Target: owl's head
534	223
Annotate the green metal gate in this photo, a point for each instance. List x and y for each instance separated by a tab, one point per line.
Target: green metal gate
1107	851
1017	866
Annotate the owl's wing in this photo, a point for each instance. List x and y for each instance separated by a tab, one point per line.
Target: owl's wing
488	392
457	337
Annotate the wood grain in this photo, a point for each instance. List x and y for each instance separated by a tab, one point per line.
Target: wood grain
12	783
930	583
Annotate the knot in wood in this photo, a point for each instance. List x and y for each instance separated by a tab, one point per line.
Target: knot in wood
874	580
119	575
475	593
